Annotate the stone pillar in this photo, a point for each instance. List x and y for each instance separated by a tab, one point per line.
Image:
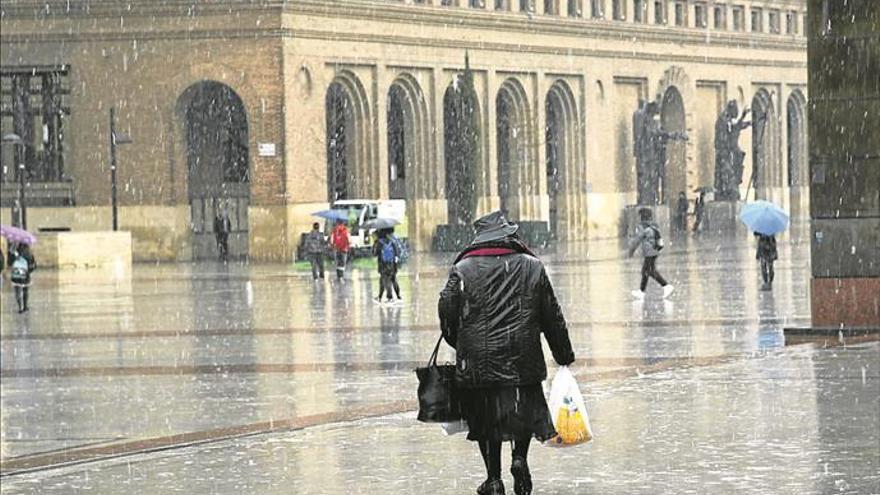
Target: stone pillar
844	141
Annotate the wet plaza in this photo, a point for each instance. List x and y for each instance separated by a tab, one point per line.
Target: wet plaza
253	379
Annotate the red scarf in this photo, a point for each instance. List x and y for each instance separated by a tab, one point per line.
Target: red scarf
489	251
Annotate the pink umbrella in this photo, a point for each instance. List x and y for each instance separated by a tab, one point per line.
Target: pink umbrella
15	234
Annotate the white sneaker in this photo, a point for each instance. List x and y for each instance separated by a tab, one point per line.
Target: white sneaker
637	294
377	300
667	289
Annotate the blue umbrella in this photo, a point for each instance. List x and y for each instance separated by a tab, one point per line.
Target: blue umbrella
764	217
332	214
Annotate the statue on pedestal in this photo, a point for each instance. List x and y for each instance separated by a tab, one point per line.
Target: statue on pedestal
649	147
728	155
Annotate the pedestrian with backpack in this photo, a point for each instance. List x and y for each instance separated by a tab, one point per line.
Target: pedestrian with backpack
398	259
21	264
387	255
649	239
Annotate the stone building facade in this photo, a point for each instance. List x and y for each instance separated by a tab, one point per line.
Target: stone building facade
270	109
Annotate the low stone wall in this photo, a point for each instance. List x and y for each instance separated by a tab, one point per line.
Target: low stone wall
95	249
158	232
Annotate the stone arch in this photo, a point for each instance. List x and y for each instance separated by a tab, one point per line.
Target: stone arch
797	168
409	145
673	179
410	174
675	77
517	168
766	166
215	137
350	168
462	151
564	156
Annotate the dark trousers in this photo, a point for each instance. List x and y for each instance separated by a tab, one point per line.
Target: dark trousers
317	262
699	220
21	297
767	270
223	246
388	280
491	452
341	259
649	269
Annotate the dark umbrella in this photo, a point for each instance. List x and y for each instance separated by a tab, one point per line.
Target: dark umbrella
381	223
15	234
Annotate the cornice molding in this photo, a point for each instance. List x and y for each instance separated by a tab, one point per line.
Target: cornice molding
547	50
388	11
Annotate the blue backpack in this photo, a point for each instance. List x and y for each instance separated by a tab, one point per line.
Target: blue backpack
387	254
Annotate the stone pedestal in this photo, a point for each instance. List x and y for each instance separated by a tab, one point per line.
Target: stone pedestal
631	218
723	216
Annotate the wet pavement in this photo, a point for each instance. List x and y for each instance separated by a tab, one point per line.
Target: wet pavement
205	378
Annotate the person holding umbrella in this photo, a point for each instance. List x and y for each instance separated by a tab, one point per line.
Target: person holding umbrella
766	220
21	264
766	254
387	254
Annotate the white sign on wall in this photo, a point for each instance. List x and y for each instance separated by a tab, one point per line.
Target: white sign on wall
267	149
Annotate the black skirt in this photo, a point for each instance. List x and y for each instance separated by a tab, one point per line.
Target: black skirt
501	414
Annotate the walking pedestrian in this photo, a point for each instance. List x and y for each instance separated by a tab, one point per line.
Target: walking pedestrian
699	210
496	304
397	260
681	212
387	254
21	264
222	227
649	239
314	247
766	254
341	244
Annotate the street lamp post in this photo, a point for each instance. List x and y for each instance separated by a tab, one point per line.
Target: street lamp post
115	139
15	140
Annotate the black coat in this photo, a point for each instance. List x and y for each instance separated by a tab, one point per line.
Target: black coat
766	247
493	310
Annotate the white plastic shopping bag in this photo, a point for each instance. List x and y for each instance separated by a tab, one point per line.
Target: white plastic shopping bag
454	427
568	411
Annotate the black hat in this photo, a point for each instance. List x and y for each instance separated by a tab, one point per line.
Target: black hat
493	227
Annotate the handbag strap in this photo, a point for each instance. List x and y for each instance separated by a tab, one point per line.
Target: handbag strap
433	360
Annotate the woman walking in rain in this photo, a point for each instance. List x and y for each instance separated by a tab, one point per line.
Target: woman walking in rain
21	264
496	304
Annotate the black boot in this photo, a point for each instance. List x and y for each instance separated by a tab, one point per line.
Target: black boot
522	478
491	487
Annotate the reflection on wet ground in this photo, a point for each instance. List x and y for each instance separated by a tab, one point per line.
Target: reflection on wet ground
109	365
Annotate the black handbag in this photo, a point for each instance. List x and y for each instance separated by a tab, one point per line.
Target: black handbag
437	396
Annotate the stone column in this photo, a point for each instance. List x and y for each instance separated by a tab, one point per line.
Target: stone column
845	173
